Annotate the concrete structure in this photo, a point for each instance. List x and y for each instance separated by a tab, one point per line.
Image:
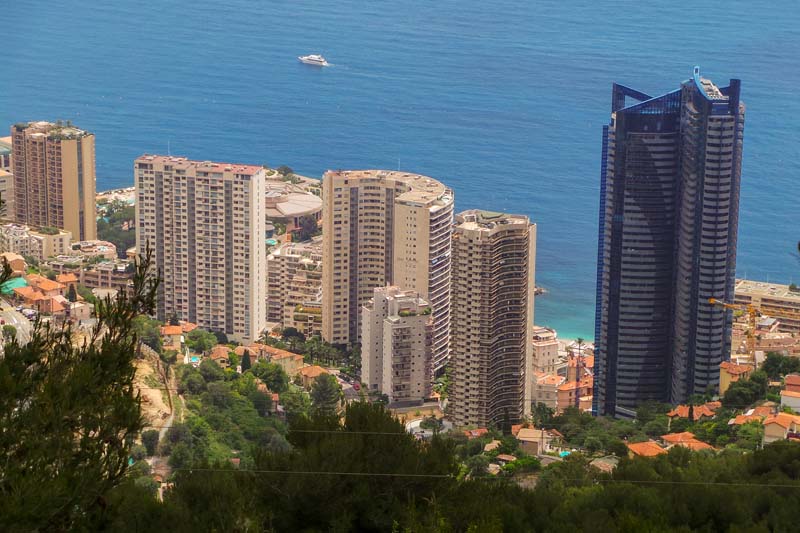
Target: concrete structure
40	244
790	399
106	274
5	153
772	299
545	389
575	394
545	350
380	228
780	427
536	441
288	203
6	179
396	345
730	372
95	248
669	204
15	261
492	325
294	280
205	224
54	177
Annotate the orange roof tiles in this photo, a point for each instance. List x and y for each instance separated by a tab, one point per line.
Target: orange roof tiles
792	379
675	438
188	326
699	411
313	371
571	385
695	445
475	433
790	393
735	369
744	419
550	379
25	292
220	351
515	429
67	278
785	420
646	449
171	330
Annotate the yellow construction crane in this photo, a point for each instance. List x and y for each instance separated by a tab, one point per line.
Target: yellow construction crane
752	317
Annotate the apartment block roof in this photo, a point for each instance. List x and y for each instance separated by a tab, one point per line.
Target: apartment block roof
422	190
763	288
184	163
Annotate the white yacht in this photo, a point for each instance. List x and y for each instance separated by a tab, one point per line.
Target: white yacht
313	59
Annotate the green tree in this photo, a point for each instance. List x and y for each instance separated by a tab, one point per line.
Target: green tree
542	415
308	228
72	293
174	320
246	361
68	414
150	441
148	331
477	466
200	340
210	370
296	402
221	337
326	394
87	294
284	170
9	332
273	375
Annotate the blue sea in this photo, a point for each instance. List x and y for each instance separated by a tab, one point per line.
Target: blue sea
502	100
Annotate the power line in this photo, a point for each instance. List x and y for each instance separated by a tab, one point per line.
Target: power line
450	476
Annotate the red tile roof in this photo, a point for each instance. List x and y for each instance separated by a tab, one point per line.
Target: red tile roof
699	411
313	371
171	330
792	379
675	438
646	449
785	420
475	433
735	369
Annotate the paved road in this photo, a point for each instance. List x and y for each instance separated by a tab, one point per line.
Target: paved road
18	320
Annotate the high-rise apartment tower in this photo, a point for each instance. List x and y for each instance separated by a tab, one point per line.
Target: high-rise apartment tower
494	258
669	206
54	180
396	345
380	228
205	224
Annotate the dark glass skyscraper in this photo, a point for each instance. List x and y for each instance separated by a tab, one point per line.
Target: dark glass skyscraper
669	203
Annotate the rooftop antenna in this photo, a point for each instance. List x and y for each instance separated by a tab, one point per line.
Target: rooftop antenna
398	162
169	151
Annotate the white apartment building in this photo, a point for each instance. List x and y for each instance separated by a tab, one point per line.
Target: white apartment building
205	223
396	345
492	301
294	278
545	350
379	228
40	245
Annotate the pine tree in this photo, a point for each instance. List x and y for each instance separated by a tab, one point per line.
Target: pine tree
326	394
72	294
69	414
246	361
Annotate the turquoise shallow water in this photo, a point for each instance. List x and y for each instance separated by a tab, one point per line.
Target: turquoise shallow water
504	101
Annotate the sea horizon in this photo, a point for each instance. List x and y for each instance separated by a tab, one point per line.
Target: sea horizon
504	103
